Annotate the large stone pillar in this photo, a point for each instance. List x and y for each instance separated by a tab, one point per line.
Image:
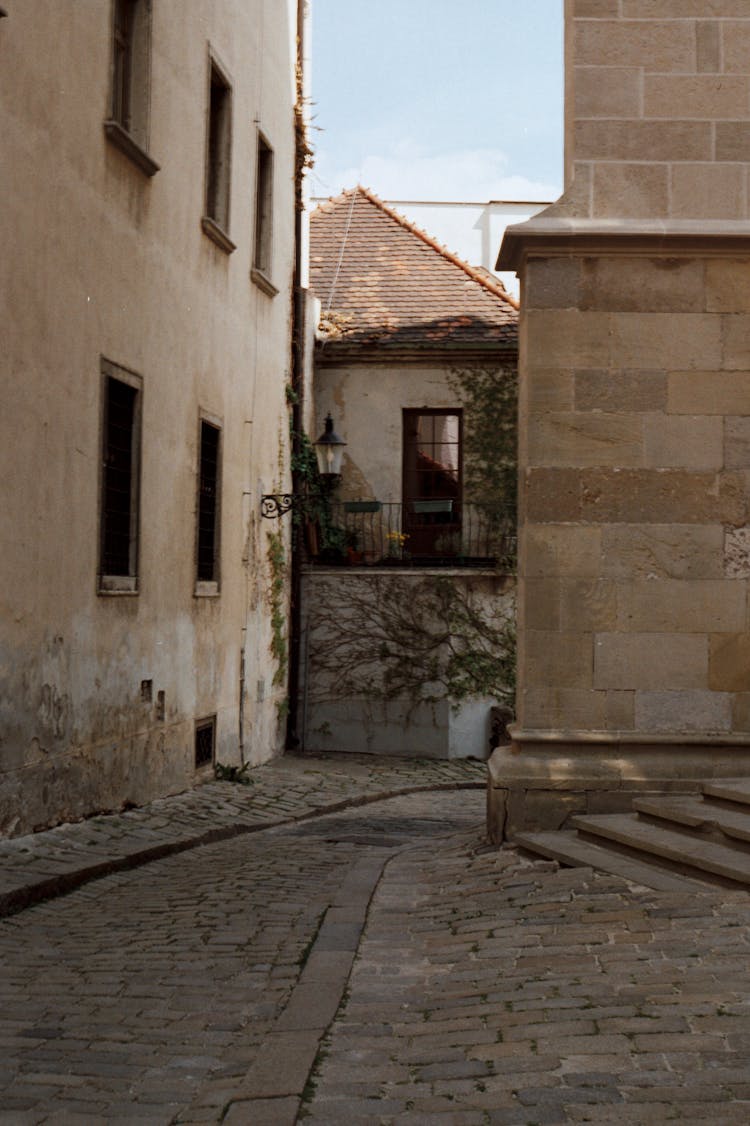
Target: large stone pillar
634	651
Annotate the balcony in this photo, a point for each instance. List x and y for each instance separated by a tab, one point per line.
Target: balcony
426	533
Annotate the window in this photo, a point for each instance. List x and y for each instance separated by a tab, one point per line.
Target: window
218	159
207	552
205	741
127	125
121	424
432	481
261	272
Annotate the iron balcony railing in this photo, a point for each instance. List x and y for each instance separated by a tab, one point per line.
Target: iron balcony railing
419	533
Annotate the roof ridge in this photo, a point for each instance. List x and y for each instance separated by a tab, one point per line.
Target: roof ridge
495	287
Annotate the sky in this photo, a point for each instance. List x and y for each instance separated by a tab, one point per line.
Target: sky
438	99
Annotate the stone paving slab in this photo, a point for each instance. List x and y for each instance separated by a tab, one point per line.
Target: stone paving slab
41	865
493	989
467	984
167	994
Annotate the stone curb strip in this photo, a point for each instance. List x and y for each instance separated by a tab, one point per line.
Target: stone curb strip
273	1089
102	846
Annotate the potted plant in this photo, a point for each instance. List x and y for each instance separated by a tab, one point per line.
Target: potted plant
353	554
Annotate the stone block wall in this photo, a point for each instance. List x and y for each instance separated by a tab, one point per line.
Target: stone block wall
636	522
634	418
659	93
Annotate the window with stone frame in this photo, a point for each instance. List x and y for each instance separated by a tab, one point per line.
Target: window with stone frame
218	158
130	95
263	245
120	480
208	508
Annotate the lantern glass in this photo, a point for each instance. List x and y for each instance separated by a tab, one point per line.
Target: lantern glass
329	450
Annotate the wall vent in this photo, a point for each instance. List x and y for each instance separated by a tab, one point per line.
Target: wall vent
205	741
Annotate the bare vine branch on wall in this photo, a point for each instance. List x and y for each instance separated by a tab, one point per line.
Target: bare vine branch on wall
379	637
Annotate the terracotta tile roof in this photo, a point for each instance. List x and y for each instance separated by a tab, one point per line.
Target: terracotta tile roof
383	281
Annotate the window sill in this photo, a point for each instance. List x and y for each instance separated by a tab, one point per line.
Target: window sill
217	234
123	141
206	590
118	584
263	282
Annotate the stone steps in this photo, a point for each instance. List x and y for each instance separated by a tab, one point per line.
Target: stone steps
571	849
730	789
667	843
695	812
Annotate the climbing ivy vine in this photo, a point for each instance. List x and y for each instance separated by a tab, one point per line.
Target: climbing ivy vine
489	397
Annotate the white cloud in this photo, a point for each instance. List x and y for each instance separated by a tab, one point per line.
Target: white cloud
407	172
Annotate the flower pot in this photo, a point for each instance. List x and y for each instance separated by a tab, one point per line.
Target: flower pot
361	506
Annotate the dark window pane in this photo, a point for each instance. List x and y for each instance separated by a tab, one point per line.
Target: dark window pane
118	556
208	502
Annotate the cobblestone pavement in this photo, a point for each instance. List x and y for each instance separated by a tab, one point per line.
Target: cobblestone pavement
40	865
378	965
489	989
166	993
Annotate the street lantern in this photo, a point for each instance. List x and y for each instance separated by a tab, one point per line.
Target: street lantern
329	450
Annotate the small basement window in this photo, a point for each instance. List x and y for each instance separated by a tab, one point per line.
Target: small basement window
205	741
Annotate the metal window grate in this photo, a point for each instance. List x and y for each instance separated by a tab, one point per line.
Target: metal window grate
118	517
205	736
208	503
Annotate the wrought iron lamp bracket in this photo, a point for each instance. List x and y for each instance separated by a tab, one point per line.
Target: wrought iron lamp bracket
274	505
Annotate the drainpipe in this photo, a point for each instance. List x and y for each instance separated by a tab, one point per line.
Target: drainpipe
298	384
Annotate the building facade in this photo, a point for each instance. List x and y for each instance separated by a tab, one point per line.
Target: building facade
408	596
634	560
148	234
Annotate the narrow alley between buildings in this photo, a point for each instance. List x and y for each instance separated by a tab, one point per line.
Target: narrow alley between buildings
377	963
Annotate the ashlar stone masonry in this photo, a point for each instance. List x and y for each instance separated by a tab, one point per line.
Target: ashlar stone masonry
634	427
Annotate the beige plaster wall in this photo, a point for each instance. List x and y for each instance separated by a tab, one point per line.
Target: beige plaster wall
635	463
366	401
101	261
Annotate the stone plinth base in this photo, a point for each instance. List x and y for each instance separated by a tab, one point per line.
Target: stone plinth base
542	779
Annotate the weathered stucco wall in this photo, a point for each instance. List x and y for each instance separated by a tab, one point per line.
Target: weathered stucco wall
370	640
102	261
366	401
634	369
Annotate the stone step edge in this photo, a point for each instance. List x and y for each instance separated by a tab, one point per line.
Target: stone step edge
569	848
729	789
695	814
626	829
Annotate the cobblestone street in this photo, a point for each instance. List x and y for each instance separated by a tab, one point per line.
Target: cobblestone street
375	964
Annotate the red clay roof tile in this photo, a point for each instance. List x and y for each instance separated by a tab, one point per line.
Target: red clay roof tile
381	280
